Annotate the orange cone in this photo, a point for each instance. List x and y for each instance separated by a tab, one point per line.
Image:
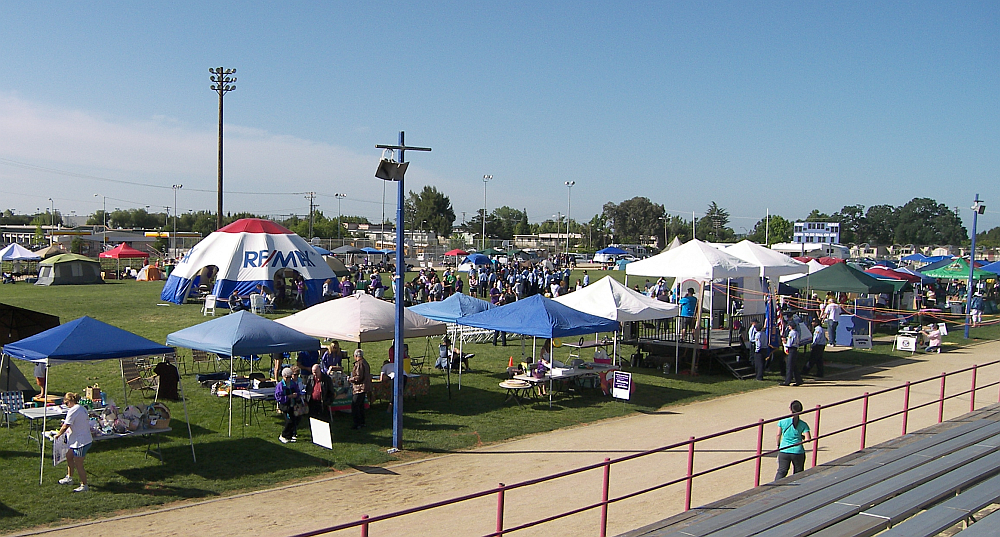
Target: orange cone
511	362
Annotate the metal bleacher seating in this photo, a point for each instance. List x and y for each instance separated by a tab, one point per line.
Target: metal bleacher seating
918	485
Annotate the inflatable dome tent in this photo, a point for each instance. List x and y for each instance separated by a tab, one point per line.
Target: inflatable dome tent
246	253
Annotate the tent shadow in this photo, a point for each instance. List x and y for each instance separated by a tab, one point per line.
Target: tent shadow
223	460
154	489
7	512
4	454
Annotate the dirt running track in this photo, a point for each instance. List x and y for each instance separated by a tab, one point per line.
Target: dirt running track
291	509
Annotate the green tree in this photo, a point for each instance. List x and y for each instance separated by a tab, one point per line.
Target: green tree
772	230
925	221
677	227
852	223
430	210
879	225
988	239
507	221
712	227
634	219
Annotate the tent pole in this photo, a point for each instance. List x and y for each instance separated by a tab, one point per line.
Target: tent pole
124	384
41	434
230	395
180	383
461	354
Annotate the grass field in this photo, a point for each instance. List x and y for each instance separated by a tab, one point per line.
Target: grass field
122	479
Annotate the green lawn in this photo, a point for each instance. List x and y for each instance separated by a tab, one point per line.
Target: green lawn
121	478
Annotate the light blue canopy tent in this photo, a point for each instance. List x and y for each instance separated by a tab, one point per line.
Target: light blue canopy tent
611	250
321	251
242	334
918	257
450	310
81	340
478	259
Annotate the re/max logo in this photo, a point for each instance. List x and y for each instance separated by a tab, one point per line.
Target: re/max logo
276	258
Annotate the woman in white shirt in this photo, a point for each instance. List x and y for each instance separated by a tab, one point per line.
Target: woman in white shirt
77	422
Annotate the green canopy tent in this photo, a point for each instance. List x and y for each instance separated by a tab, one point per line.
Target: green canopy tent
958	269
841	278
493	251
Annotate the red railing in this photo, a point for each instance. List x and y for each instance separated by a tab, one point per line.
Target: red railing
689	476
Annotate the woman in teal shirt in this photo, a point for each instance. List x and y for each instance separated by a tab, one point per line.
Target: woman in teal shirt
792	434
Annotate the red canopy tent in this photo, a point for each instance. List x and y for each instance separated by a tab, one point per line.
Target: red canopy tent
123	251
892	274
830	261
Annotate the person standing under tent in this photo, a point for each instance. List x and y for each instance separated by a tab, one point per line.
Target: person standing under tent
361	384
792	434
688	313
976	309
286	394
831	314
755	338
77	422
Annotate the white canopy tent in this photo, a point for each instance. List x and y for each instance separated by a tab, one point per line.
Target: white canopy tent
360	318
772	265
610	299
813	266
16	252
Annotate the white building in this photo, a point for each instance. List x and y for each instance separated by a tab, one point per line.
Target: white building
816	233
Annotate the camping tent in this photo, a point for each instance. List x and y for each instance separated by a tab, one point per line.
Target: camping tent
360	318
610	299
841	278
16	252
249	252
85	339
958	269
771	263
539	317
693	259
69	269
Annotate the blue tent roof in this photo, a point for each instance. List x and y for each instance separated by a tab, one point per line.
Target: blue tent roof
539	317
452	308
83	339
321	251
914	257
935	262
242	334
611	250
992	267
478	259
370	250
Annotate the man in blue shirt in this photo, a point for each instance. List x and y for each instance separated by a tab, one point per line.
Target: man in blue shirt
689	312
756	337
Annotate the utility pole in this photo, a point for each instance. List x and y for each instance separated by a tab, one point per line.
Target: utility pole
569	206
223	84
978	208
311	196
486	179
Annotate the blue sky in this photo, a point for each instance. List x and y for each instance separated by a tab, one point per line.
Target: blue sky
783	105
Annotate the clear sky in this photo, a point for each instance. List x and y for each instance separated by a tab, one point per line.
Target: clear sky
783	105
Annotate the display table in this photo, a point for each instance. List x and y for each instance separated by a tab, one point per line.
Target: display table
254	400
36	416
416	385
150	435
571	373
517	390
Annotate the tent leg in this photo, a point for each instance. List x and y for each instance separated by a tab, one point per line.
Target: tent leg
230	396
180	384
124	384
41	434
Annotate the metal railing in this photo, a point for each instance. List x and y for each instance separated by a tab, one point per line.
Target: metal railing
689	475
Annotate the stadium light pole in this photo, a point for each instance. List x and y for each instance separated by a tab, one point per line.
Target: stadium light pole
339	197
569	205
52	213
104	221
223	84
173	236
978	208
390	170
486	179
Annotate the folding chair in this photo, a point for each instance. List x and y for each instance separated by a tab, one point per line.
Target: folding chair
202	357
209	307
134	379
10	404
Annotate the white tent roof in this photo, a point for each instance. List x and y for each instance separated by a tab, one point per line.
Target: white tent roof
16	252
360	318
610	299
693	259
813	266
772	264
674	243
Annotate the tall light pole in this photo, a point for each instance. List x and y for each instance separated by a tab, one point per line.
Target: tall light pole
664	218
173	236
390	170
104	220
52	213
558	217
569	205
223	84
978	208
486	179
339	197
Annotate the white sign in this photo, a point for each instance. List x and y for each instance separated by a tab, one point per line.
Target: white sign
321	433
906	343
621	384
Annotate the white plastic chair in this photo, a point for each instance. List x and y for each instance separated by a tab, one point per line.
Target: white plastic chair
257	303
209	307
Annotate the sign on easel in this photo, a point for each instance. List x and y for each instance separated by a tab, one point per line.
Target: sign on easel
621	384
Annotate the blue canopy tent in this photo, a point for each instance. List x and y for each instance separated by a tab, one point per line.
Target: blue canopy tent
542	317
370	250
993	267
611	250
935	262
85	339
918	257
478	259
321	251
450	310
242	334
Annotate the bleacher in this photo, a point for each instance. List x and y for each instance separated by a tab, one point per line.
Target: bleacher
918	485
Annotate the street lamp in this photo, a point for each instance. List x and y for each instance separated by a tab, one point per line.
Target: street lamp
569	205
978	208
558	217
339	197
223	84
52	213
173	236
104	220
394	170
486	179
